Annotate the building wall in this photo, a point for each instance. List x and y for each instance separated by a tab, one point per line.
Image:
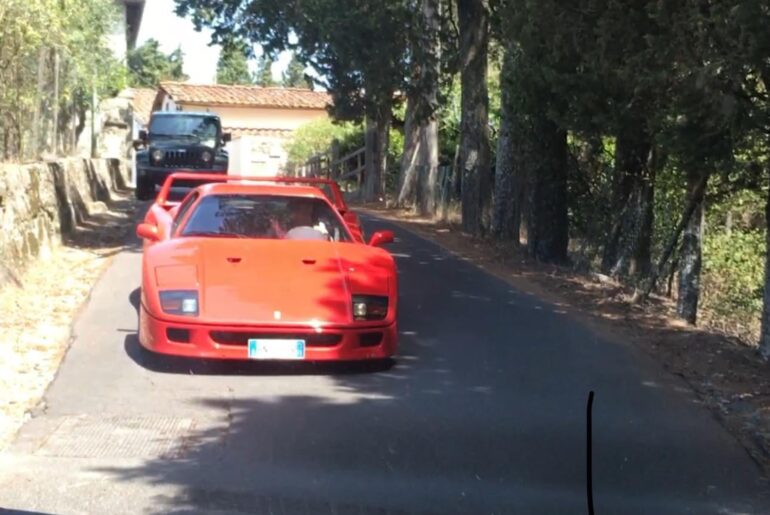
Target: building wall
258	156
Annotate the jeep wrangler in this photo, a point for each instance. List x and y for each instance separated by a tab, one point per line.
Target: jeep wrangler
175	141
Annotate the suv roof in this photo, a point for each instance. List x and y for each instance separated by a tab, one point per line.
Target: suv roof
185	113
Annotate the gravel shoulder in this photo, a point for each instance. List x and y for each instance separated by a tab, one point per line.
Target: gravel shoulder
37	316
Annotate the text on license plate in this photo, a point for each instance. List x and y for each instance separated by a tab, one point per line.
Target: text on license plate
276	349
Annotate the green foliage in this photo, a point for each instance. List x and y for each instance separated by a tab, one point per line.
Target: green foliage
294	76
316	137
449	121
35	35
264	75
148	65
733	273
233	65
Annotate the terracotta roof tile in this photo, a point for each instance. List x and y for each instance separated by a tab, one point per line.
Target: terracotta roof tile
141	101
257	96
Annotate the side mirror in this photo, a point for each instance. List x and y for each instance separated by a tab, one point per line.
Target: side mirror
381	238
227	137
147	232
143	135
342	211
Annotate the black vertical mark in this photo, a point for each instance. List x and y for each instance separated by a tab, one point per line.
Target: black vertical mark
589	460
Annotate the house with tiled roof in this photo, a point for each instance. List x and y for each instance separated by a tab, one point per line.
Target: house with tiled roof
260	119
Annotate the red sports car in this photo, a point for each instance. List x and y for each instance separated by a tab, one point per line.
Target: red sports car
272	272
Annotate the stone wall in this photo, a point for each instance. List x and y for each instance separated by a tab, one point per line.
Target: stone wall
42	202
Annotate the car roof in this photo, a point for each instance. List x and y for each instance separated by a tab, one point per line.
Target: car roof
241	188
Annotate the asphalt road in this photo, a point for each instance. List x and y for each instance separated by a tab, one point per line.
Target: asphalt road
482	413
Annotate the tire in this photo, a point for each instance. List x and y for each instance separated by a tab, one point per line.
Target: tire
145	189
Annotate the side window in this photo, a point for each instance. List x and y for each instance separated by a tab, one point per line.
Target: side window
183	209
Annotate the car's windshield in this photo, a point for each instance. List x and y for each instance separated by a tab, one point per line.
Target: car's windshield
265	217
203	128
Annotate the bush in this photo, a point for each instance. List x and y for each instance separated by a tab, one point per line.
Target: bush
316	137
733	274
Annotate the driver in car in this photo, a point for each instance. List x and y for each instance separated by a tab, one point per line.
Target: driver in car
301	218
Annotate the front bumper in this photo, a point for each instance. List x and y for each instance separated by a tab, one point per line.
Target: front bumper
229	342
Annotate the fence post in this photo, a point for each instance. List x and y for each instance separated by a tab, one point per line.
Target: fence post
335	157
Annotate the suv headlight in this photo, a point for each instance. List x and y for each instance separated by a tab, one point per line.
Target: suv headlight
179	302
370	307
157	155
206	156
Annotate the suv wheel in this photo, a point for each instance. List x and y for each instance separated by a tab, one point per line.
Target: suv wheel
145	188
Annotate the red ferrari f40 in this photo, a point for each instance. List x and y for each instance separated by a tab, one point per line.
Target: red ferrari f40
247	270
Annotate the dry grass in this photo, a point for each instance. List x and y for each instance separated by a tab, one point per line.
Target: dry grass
36	319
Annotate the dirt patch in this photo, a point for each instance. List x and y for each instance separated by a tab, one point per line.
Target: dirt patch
727	375
36	318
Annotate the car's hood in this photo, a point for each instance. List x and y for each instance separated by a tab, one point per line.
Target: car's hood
271	281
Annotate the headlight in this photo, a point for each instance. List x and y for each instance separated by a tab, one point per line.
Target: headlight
206	156
179	302
370	307
157	155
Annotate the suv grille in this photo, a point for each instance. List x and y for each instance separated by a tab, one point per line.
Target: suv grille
176	158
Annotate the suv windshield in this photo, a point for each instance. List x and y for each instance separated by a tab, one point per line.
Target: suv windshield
265	217
203	128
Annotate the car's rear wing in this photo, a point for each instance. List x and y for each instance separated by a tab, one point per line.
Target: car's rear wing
204	178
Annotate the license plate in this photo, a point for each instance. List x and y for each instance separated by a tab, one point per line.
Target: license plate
276	349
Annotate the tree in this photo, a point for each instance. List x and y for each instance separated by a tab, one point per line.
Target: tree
148	65
233	65
474	152
264	75
419	161
294	76
352	46
53	55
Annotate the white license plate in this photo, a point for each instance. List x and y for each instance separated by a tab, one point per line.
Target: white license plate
276	349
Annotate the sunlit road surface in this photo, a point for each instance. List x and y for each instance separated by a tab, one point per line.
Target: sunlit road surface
483	413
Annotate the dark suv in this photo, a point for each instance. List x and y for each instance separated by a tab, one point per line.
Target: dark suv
175	141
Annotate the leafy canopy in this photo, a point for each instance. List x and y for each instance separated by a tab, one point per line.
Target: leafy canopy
148	65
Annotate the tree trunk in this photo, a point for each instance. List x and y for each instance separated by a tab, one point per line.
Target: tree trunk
429	159
474	156
419	164
504	204
429	129
408	176
547	223
764	335
377	141
691	255
628	247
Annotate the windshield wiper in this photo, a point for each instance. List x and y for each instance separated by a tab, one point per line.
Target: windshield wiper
214	234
